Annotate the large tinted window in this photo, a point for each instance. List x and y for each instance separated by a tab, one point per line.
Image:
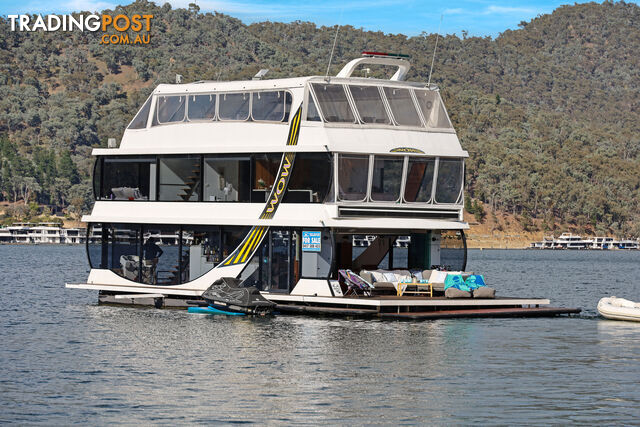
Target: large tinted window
432	109
180	179
387	178
312	111
353	174
275	266
123	250
265	169
419	181
204	248
161	254
234	106
227	179
449	181
270	106
402	106
170	109
202	107
369	104
140	120
97	178
98	246
333	103
126	178
162	263
310	178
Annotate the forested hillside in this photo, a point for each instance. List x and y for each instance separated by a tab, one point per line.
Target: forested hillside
550	113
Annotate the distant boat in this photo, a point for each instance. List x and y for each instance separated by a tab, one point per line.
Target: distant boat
574	241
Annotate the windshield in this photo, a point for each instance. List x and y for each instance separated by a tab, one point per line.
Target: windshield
378	105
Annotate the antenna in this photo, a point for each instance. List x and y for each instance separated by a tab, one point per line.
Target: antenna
433	58
335	39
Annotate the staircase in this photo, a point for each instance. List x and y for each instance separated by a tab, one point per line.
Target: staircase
192	182
174	274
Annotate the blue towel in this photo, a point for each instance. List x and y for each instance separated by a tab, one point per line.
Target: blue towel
455	281
475	281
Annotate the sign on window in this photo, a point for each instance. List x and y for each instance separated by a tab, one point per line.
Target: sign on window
311	241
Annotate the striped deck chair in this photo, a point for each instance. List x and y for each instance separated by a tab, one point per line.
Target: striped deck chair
356	285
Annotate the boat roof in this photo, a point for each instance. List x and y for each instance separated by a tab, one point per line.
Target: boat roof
270	84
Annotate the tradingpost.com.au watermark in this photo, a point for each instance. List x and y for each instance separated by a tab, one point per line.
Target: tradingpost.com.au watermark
140	24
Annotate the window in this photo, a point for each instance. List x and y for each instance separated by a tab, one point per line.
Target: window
265	168
270	106
432	109
140	120
180	179
312	111
449	181
234	106
419	181
126	178
310	179
115	247
227	179
202	246
333	103
402	106
97	178
353	174
369	104
170	254
387	177
202	107
162	262
275	265
170	109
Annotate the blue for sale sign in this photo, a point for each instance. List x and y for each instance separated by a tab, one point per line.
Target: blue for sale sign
311	241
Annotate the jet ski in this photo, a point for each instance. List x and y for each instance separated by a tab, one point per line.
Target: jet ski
228	296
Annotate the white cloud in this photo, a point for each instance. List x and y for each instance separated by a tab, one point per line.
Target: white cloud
507	10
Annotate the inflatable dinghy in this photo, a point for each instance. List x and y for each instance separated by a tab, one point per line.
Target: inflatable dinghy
619	309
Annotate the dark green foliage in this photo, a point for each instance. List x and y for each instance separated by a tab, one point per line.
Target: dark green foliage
549	113
478	211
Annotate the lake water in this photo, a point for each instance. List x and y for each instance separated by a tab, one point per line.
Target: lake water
64	359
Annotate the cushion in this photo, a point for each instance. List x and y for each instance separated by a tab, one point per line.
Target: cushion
389	277
484	292
438	277
378	276
475	281
417	274
456	293
366	275
455	281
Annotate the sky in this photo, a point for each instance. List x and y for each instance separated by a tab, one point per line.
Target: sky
409	17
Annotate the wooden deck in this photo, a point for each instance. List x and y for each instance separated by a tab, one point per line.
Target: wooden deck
484	312
403	301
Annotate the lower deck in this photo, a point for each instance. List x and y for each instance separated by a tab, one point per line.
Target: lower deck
385	307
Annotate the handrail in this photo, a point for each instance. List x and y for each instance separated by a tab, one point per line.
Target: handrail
402	64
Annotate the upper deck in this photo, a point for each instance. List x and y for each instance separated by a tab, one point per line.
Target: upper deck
339	114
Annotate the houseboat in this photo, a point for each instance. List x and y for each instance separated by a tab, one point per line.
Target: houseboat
272	181
42	233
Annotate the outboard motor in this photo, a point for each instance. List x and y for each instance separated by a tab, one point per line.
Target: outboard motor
227	294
